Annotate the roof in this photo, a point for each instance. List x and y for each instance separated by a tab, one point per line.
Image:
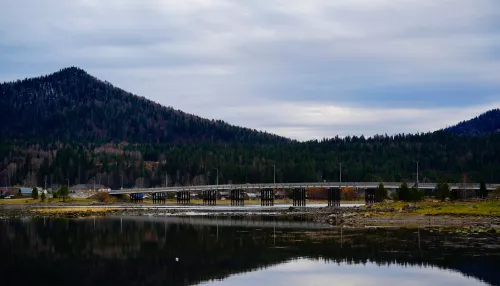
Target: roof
87	187
24	190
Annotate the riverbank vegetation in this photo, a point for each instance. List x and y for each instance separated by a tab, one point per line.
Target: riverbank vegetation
475	208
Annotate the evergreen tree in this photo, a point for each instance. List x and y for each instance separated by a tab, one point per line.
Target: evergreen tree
483	191
416	194
380	193
442	191
403	193
64	192
34	194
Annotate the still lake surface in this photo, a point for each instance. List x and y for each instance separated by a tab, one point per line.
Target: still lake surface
257	250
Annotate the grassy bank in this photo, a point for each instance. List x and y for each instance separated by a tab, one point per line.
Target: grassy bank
29	201
479	208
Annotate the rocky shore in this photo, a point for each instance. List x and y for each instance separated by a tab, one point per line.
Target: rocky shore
407	216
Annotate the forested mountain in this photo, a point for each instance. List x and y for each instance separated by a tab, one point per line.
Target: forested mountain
71	126
73	106
486	123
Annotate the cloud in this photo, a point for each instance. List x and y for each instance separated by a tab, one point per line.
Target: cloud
305	69
312	272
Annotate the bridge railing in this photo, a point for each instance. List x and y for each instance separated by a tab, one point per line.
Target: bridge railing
389	185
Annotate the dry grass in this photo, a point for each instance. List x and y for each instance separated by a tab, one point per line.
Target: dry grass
70	210
20	201
23	201
479	208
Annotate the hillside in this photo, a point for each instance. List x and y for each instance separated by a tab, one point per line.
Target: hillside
70	125
486	123
73	106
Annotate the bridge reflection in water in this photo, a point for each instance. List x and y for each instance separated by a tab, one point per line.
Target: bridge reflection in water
210	193
187	251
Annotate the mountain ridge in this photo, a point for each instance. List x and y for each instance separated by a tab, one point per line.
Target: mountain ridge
483	124
73	105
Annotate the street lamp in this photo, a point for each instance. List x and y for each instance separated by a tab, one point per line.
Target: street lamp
417	172
217	182
274	173
340	174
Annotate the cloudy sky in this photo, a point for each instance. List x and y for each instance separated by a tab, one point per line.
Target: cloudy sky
302	69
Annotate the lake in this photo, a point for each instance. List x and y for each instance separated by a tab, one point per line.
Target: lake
256	250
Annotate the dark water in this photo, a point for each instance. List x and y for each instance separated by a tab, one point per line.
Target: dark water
258	251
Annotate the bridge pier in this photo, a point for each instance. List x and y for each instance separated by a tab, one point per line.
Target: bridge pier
183	198
159	198
333	197
209	198
136	197
369	197
299	197
267	197
237	198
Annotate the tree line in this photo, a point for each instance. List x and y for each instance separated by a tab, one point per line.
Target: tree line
442	157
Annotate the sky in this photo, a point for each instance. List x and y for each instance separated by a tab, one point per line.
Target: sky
302	69
316	272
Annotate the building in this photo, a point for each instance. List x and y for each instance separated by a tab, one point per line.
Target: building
25	192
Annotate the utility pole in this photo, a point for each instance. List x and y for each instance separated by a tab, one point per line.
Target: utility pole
121	176
417	173
45	182
166	179
340	174
274	173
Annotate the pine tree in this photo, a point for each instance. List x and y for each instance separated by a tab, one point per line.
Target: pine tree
380	193
34	194
64	192
442	191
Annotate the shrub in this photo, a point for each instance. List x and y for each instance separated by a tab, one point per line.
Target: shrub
442	191
34	193
104	197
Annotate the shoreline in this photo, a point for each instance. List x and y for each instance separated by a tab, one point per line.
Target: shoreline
466	215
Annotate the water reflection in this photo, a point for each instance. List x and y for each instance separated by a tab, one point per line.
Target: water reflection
314	272
186	251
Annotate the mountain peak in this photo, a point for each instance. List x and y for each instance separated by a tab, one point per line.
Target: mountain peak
72	105
72	70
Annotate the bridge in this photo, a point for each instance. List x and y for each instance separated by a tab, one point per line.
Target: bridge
210	192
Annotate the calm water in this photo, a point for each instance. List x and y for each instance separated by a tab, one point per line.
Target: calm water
257	251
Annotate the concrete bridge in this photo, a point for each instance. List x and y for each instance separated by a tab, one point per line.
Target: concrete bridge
326	185
209	193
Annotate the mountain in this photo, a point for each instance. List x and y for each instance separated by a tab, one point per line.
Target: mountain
486	123
72	126
73	106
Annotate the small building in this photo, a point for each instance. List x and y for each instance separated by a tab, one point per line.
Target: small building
25	192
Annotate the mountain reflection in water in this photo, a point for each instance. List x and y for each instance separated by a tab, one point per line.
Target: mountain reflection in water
188	251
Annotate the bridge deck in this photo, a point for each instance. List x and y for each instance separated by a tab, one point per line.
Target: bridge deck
357	185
